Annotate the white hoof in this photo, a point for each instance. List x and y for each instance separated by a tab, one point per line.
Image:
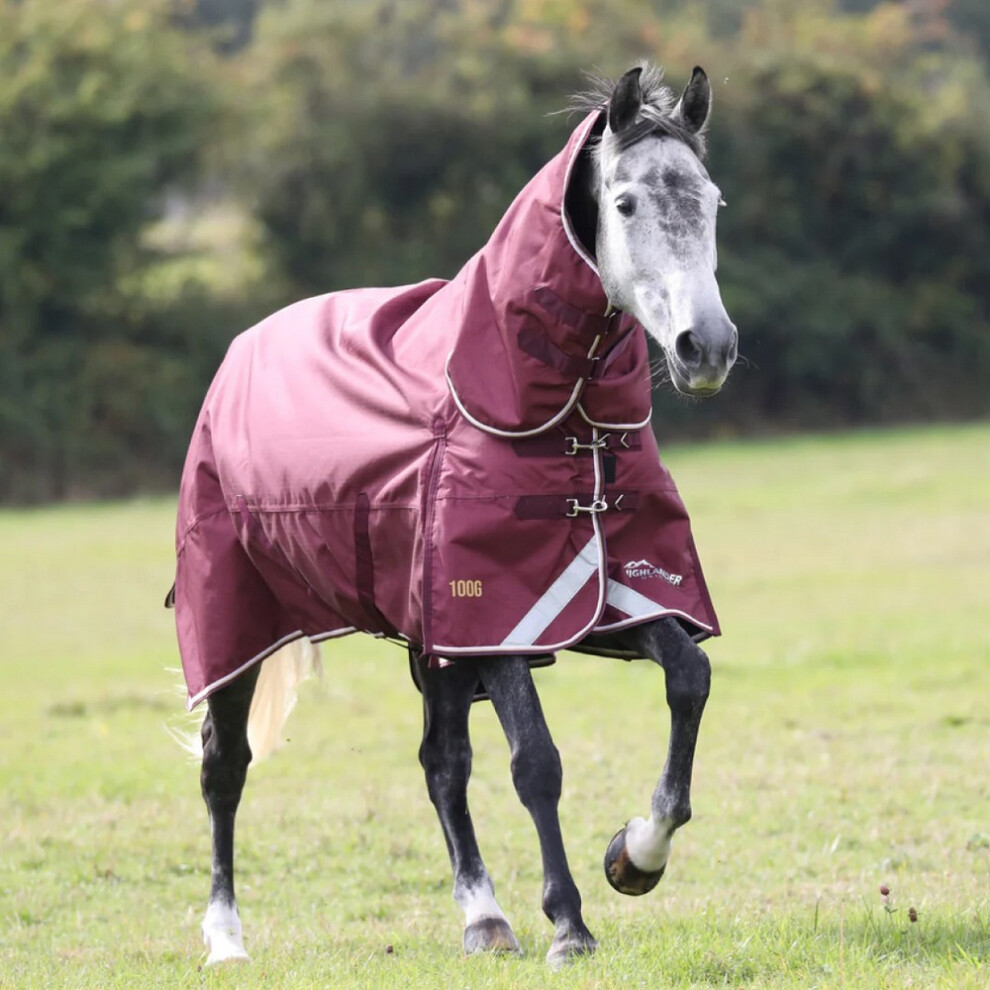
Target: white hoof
224	947
222	935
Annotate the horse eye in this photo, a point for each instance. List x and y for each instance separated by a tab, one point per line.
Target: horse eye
626	206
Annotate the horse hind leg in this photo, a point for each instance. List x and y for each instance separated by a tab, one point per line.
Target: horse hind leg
226	755
637	855
538	777
445	755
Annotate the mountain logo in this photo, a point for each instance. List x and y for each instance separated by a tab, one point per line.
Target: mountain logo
644	569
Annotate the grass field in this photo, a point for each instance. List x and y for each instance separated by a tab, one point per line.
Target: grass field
846	745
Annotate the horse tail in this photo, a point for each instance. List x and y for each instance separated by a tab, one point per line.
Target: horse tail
276	693
275	696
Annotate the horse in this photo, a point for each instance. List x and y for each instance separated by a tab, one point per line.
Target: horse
468	467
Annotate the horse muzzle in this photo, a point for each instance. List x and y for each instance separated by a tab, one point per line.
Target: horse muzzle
702	357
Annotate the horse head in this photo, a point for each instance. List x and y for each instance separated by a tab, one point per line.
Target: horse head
655	236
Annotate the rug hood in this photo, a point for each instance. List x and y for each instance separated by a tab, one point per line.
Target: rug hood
534	341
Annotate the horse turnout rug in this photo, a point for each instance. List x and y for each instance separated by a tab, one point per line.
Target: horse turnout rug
467	466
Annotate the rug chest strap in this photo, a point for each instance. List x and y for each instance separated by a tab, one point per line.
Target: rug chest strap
559	443
572	506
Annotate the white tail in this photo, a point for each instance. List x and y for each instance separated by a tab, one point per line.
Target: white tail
275	696
276	693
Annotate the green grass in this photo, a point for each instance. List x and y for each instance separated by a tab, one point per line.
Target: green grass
846	744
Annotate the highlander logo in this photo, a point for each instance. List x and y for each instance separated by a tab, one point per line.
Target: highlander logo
644	569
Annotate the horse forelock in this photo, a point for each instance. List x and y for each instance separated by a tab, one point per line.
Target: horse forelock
656	118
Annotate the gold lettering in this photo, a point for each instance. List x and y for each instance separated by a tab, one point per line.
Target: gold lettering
466	589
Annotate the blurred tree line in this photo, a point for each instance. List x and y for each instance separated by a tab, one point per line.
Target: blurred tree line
172	170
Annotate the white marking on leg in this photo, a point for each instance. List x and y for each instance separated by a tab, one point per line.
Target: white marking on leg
478	902
648	843
222	933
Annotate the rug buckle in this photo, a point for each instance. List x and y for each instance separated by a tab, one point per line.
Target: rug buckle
599	505
574	445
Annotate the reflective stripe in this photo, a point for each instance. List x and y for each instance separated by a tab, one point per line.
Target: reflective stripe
631	602
557	597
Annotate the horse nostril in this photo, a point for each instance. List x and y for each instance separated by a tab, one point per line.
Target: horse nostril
733	348
689	350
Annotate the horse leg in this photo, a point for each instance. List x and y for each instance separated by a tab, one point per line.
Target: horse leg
637	855
445	755
537	776
226	756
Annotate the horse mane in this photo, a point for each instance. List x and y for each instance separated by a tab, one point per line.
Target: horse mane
656	115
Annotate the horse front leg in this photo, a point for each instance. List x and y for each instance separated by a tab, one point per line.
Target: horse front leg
637	855
226	756
445	755
537	776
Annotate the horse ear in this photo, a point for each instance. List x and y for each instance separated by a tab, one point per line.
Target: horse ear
695	102
627	98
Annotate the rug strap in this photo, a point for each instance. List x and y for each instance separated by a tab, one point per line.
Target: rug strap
364	566
570	506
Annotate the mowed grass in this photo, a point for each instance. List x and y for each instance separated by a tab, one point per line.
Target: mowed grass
846	745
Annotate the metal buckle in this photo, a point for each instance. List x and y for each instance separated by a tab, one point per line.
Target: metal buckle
599	505
574	445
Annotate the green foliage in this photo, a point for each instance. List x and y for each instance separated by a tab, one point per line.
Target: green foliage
967	20
972	17
102	110
230	23
855	255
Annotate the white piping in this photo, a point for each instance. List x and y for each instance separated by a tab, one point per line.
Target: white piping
193	701
659	614
613	426
338	633
557	597
512	434
639	608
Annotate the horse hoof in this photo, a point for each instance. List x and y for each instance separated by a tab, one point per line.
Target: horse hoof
490	935
224	949
564	951
623	874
